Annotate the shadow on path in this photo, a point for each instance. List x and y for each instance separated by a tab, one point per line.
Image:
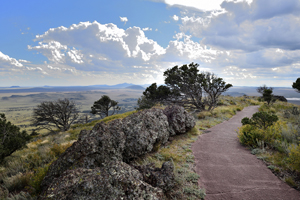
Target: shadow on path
229	171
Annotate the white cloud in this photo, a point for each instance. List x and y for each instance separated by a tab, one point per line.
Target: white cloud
8	62
24	61
99	49
53	50
147	29
124	19
175	18
199	5
185	49
249	27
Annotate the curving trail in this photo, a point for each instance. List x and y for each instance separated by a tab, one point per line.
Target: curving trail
229	171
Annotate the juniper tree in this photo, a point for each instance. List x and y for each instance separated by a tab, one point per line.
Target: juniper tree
60	114
11	138
104	105
296	85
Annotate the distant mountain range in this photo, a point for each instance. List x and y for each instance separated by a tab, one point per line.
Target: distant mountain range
46	88
135	87
234	91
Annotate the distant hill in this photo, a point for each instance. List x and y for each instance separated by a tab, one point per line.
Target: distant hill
135	87
234	94
121	85
47	88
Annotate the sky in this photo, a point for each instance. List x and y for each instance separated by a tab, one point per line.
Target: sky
95	42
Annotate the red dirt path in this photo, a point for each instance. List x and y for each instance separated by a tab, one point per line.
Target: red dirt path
229	171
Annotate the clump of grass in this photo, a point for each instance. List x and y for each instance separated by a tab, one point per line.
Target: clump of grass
193	192
289	180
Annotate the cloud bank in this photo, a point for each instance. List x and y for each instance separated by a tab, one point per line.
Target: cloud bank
247	42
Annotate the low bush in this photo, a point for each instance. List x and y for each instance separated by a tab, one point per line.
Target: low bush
250	136
58	149
36	180
260	120
294	157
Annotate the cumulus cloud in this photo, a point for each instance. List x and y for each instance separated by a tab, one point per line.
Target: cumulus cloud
249	27
98	48
199	5
124	19
175	18
8	62
183	48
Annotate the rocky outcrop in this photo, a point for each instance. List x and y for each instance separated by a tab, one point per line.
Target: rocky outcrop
158	177
116	180
93	149
180	121
143	131
279	98
95	166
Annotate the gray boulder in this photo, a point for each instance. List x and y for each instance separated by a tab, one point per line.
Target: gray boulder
180	121
93	149
116	180
163	177
143	131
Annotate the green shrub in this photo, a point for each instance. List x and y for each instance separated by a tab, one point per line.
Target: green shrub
294	157
200	193
192	177
250	136
260	119
36	180
11	138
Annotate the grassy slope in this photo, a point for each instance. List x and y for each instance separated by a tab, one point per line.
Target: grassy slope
25	169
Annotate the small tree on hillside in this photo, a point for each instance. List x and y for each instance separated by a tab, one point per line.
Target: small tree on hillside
104	105
214	87
296	85
261	89
267	95
11	138
186	84
187	87
60	114
153	95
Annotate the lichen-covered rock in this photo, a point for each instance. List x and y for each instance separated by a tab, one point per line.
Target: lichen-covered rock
143	131
180	121
93	167
116	180
93	149
158	177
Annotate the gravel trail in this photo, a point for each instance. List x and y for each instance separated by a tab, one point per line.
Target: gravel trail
229	171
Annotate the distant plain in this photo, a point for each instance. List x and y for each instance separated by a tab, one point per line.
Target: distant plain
18	103
18	107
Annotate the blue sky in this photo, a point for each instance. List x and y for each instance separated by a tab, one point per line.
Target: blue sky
248	43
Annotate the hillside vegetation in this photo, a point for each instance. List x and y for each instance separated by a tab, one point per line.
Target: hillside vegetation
23	171
278	145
